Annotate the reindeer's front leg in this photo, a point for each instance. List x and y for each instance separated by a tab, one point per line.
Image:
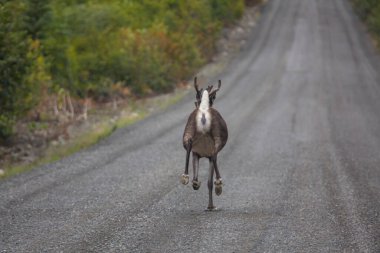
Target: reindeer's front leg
185	176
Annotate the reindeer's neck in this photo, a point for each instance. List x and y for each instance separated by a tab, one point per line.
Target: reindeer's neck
203	117
205	102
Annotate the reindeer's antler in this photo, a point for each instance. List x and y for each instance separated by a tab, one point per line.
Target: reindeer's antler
213	93
199	91
198	96
196	85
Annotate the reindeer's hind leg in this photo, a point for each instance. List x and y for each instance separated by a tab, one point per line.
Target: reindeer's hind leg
210	186
218	180
196	183
185	176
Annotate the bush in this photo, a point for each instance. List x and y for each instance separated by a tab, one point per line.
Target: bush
146	45
13	65
85	47
227	11
369	11
374	20
365	7
6	126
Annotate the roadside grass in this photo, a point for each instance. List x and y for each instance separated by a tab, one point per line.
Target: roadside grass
140	110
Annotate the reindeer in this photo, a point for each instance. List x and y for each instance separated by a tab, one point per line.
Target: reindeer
205	135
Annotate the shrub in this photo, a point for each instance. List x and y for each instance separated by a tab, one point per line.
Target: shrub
85	47
369	11
146	45
365	7
374	20
13	65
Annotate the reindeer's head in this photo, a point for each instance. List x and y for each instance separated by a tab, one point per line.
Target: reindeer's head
211	93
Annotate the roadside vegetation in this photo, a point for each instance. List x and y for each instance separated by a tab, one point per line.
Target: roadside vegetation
73	71
369	11
56	55
97	127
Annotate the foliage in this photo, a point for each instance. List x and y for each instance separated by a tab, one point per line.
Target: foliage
365	7
36	18
227	10
374	20
13	65
85	47
369	11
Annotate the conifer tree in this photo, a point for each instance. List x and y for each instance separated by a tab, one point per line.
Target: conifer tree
13	64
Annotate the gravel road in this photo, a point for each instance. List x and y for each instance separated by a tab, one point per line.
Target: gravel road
301	169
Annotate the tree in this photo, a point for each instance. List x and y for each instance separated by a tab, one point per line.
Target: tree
37	15
13	64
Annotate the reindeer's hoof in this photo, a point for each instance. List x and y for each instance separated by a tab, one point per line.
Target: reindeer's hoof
185	179
211	208
218	186
196	185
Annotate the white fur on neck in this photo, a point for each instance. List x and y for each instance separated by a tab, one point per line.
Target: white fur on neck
205	102
204	109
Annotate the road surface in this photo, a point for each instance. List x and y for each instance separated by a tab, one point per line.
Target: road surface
301	168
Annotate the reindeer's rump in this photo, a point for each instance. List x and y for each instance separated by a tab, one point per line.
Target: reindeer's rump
219	129
203	145
206	144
